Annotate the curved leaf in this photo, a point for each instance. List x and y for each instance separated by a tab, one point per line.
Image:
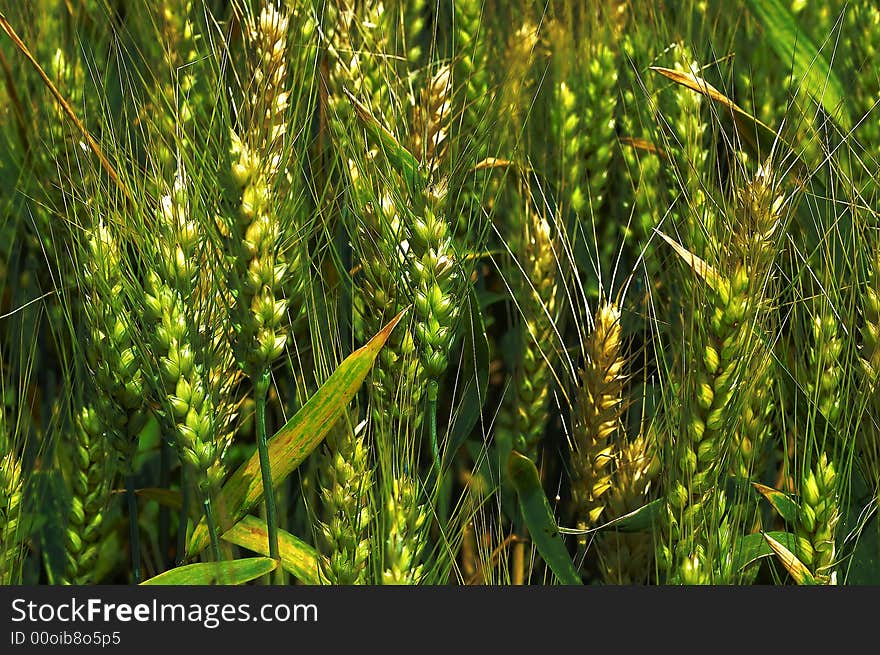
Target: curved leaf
231	572
796	568
642	519
298	438
786	507
753	547
700	267
701	86
539	518
794	48
297	557
401	158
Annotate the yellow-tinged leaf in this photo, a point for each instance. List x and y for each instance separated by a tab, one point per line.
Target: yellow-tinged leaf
297	557
492	162
702	87
700	267
643	144
796	568
782	503
231	572
297	439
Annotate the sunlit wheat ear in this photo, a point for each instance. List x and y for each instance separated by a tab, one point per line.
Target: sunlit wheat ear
196	378
381	249
431	117
817	521
360	64
260	266
718	434
598	409
758	222
628	558
111	350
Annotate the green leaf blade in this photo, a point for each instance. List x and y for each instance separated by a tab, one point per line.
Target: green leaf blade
793	47
234	572
290	446
539	518
297	557
784	505
753	547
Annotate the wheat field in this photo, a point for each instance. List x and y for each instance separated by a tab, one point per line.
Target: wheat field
456	293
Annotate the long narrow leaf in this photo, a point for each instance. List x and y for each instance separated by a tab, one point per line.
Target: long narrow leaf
700	267
781	502
475	360
797	569
702	87
297	557
794	48
233	572
539	518
298	438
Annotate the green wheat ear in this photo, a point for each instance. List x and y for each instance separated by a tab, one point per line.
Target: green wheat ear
348	506
11	488
90	493
535	287
407	518
817	520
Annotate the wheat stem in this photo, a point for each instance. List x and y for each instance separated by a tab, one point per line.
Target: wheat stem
261	389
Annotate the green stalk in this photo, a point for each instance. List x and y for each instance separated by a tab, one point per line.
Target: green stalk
261	388
133	529
433	391
164	513
180	555
212	525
